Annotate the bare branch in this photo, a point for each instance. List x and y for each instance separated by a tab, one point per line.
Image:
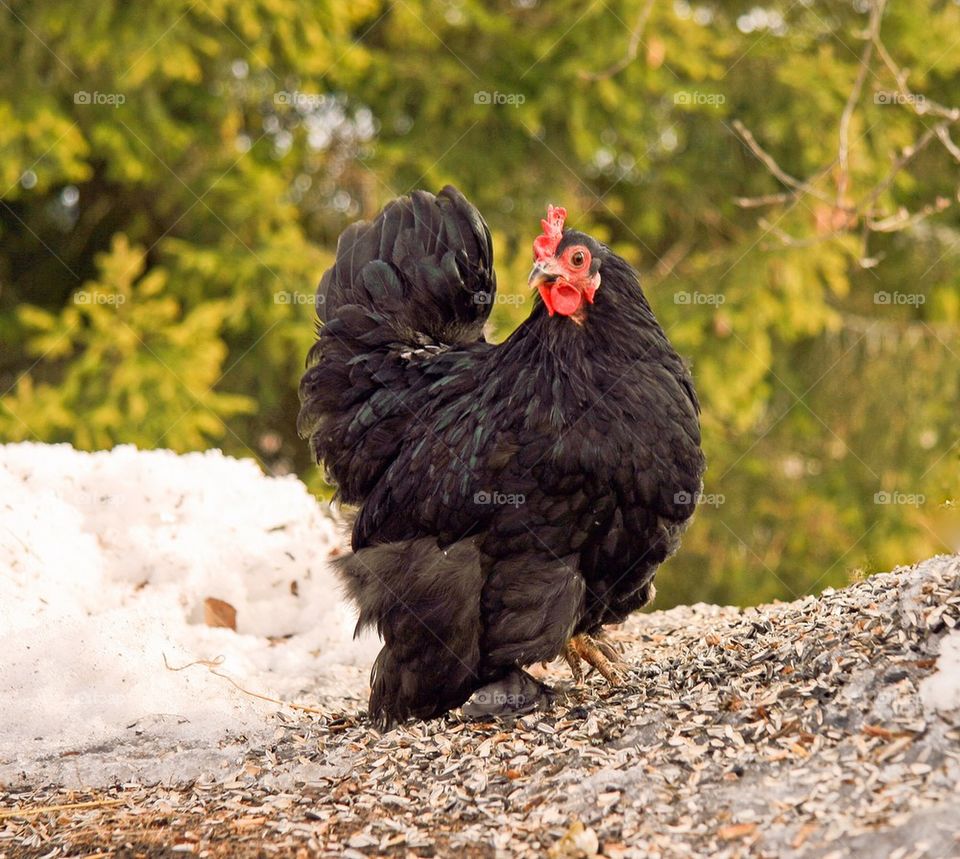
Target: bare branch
864	214
921	104
671	259
633	47
771	164
767	200
901	161
904	218
843	150
788	240
943	132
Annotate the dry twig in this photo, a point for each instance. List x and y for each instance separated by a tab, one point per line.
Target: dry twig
68	806
212	664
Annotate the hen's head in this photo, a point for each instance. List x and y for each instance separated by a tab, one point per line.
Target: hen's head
566	268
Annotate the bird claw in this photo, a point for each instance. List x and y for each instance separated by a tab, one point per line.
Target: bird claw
572	659
597	651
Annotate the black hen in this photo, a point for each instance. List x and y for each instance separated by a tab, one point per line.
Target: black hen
512	498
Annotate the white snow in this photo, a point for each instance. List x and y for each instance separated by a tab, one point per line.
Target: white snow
106	560
941	690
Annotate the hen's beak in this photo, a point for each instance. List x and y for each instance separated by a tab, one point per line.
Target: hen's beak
543	272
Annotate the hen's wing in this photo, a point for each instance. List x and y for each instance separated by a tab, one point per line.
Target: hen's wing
412	285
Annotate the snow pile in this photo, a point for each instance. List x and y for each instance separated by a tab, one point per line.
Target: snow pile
106	560
941	690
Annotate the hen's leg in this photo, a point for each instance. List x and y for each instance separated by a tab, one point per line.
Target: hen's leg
597	651
530	605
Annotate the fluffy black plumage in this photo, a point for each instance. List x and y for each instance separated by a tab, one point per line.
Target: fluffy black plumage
509	496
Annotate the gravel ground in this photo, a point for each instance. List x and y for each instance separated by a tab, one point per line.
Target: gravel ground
798	729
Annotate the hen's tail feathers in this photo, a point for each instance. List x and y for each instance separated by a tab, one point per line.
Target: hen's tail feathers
403	289
425	603
425	264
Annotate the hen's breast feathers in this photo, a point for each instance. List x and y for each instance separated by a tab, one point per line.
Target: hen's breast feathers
501	447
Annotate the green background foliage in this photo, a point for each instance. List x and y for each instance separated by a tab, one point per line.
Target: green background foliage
174	176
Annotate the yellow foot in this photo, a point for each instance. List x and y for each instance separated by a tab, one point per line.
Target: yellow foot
598	652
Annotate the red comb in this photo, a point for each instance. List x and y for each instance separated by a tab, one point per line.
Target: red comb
545	245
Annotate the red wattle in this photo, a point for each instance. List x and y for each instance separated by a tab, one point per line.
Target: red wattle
560	297
566	298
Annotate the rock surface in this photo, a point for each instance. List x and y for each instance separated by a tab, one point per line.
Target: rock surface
826	727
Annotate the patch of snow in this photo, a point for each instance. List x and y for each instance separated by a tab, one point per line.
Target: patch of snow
106	560
941	690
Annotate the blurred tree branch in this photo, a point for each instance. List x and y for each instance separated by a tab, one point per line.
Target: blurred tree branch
845	213
633	47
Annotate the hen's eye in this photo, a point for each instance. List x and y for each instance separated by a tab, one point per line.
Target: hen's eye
577	258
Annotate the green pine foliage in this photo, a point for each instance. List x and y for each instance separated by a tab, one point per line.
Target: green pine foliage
174	176
122	345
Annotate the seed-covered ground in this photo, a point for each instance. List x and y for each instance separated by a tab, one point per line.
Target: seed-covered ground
826	727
